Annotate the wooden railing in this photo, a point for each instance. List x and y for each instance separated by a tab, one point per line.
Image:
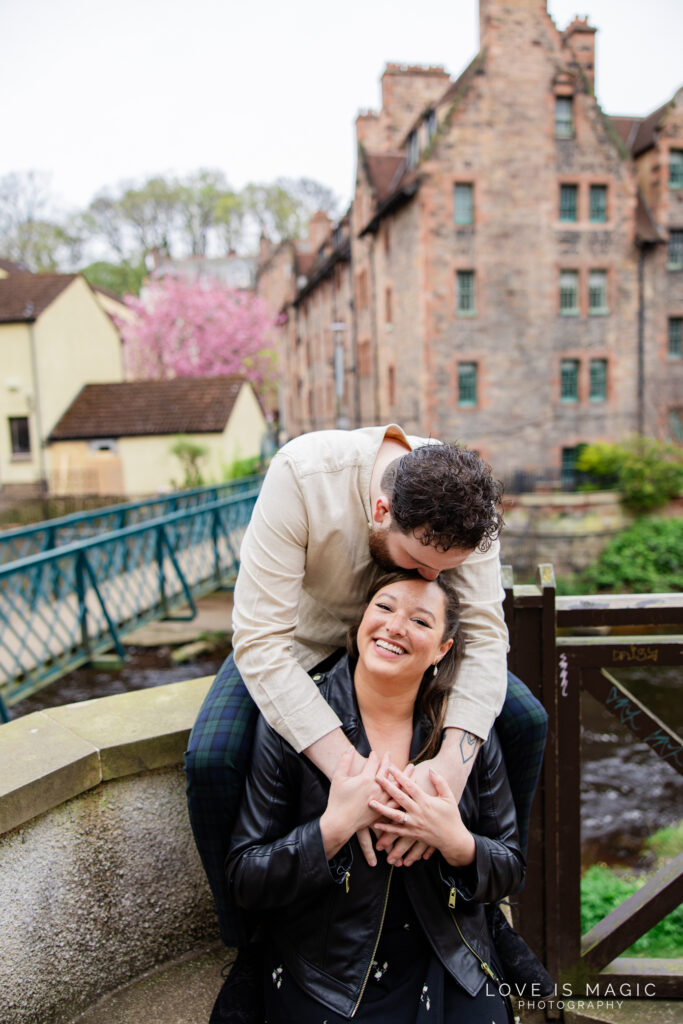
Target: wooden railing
557	663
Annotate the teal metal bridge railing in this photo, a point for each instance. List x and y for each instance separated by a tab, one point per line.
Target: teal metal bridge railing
53	533
59	608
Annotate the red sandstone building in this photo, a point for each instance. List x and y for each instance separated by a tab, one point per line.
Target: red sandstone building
510	272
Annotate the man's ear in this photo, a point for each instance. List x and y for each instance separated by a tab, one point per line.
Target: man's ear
381	510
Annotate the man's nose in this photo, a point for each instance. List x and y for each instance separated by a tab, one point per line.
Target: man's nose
428	574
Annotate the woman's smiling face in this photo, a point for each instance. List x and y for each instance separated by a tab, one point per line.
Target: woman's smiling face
401	632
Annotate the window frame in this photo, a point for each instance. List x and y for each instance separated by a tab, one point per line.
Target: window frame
460	277
19	452
595	189
675	337
675	168
568	188
459	185
468	384
564	126
675	247
574	309
569	397
603	308
597	382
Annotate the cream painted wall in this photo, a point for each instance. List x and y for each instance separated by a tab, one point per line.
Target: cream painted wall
246	427
16	399
76	344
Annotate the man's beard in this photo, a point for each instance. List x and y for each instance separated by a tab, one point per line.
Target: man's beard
377	543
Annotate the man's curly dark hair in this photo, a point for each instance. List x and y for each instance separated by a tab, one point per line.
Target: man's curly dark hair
446	493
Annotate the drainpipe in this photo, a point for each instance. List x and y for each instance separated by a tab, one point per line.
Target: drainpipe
641	340
37	415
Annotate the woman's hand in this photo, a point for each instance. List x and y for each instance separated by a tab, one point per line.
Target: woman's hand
348	806
431	819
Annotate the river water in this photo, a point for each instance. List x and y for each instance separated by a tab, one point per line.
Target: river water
627	793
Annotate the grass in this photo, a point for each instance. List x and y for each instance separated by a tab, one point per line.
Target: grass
603	889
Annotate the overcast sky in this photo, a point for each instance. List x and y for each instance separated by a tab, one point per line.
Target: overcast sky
94	92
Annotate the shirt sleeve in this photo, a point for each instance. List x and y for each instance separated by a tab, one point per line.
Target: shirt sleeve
267	592
479	690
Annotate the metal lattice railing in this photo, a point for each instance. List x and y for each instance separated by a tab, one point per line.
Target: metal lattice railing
59	608
25	541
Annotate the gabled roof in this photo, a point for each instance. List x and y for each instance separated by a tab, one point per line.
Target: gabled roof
23	297
646	136
626	128
184	405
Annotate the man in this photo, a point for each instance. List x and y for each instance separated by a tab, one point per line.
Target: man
337	507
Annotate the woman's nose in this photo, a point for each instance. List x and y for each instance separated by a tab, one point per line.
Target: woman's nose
397	624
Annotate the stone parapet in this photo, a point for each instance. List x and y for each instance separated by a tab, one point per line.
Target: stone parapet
100	879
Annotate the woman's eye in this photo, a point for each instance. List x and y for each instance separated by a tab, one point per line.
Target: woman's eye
421	622
384	607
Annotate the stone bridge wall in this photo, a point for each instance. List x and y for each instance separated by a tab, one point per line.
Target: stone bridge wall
99	876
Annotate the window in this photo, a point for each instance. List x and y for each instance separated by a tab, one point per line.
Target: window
597	292
413	150
569	380
431	123
564	119
364	359
597	211
19	435
598	380
387	306
675	424
465	299
463	203
675	252
675	337
391	385
568	202
568	469
362	289
676	168
467	384
569	292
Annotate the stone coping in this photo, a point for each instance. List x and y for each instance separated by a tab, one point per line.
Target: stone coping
51	756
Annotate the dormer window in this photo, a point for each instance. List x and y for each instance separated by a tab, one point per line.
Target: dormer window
413	149
564	117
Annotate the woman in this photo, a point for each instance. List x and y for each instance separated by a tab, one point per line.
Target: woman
346	940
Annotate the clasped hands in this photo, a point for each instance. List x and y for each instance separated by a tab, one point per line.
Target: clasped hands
412	811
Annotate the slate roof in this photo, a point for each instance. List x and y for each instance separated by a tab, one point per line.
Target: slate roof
23	297
382	169
184	405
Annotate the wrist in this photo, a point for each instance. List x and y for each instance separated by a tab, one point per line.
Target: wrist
333	834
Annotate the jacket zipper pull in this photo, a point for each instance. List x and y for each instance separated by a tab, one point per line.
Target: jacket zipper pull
487	970
451	898
347	876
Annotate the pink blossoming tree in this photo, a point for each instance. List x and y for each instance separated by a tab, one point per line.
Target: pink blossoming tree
197	329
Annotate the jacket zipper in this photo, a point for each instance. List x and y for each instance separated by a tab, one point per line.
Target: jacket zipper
379	935
482	963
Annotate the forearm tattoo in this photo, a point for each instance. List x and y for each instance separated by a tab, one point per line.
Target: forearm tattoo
469	744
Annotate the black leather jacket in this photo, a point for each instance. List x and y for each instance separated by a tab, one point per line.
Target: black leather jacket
325	918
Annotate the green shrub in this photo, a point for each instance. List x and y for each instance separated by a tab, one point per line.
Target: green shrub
646	472
240	467
646	558
602	890
190	454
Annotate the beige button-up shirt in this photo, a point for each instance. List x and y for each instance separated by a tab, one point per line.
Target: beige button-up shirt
305	569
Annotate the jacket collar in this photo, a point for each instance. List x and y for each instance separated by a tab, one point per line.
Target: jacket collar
338	690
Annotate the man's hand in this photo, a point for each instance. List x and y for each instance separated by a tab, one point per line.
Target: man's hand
454	763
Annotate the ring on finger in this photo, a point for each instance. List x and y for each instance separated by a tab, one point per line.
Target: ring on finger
405	819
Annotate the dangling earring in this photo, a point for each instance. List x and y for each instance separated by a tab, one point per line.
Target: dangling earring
435	671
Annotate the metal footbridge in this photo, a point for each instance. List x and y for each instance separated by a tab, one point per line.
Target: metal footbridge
73	587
